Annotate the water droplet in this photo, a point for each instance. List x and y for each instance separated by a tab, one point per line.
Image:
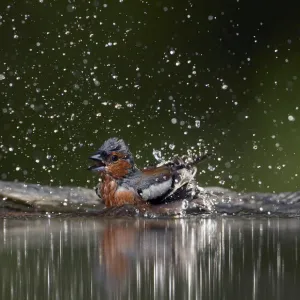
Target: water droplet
211	168
157	155
227	164
291	118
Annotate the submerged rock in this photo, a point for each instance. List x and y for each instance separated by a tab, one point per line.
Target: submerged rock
35	198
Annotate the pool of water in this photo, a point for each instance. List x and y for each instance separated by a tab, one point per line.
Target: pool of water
106	258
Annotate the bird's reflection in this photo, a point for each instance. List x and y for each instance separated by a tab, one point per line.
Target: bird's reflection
111	255
155	251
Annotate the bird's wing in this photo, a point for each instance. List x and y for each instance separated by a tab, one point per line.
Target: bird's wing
180	173
151	183
169	181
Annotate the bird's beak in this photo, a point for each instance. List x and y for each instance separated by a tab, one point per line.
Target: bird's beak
99	165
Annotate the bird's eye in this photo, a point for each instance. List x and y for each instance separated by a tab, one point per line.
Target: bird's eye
114	158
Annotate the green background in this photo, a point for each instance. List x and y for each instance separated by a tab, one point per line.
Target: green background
74	73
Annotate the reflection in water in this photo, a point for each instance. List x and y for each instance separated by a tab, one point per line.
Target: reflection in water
201	258
153	256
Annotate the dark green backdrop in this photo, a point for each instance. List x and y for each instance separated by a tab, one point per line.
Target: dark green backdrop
73	73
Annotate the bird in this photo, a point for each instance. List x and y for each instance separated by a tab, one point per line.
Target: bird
123	183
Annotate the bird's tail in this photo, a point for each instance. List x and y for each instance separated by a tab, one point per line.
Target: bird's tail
184	172
198	159
187	161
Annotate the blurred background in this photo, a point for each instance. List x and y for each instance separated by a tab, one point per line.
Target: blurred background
166	76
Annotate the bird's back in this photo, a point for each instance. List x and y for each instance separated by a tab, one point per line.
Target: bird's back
164	183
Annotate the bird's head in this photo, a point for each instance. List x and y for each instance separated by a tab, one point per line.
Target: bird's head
113	158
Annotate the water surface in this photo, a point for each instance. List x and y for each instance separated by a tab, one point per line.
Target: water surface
196	258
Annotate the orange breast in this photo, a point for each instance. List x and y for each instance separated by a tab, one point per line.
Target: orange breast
114	197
